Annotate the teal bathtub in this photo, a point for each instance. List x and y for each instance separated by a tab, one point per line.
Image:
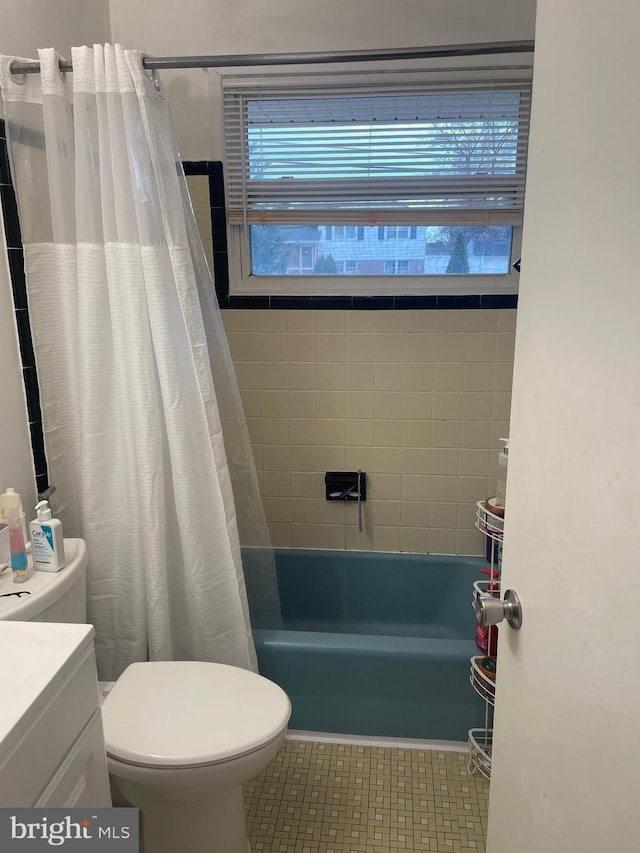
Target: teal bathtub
375	644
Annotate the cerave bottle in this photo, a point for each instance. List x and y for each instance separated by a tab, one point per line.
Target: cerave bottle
46	540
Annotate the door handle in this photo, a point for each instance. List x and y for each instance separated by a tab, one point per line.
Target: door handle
490	610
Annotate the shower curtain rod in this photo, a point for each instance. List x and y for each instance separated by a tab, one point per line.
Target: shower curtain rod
249	59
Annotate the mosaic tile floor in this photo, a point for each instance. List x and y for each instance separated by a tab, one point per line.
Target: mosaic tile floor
342	798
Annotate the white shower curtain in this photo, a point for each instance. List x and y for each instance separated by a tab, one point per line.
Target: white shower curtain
133	430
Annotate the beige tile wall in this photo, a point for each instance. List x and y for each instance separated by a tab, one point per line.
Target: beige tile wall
199	192
417	399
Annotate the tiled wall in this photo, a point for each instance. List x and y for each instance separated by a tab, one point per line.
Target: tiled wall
201	201
18	284
418	399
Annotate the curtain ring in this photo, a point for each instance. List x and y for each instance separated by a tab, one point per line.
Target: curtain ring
152	73
20	78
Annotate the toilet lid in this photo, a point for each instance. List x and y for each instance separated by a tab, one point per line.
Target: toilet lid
185	713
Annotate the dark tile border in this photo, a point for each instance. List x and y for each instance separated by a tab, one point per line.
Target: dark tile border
371	303
214	169
11	219
21	306
496	300
195	167
288	302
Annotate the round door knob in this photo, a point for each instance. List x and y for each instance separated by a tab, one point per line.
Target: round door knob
490	610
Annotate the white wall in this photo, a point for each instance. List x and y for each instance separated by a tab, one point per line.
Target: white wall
26	25
165	28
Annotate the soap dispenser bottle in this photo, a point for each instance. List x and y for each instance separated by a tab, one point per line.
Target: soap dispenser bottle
503	463
46	540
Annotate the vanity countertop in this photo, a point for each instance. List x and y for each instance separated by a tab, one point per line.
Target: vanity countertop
36	657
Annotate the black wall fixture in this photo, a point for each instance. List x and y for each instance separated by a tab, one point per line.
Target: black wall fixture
346	485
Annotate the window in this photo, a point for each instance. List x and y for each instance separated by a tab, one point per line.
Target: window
423	180
341	232
398	232
396	267
345	268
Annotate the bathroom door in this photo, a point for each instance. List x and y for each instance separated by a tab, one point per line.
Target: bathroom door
566	762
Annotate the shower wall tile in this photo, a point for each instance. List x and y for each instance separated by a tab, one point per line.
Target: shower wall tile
507	321
333	404
444	487
386	487
505	346
330	321
416	398
305	536
469	542
199	191
442	541
334	458
451	321
416	460
386	538
448	376
480	346
332	536
415	487
474	462
417	405
280	534
503	376
413	539
482	321
477	405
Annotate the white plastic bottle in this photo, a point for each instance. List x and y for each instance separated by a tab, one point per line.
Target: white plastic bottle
501	485
46	540
10	499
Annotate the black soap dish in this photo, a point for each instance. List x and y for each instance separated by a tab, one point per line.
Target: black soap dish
346	485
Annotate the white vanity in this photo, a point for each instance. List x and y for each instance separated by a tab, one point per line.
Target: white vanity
51	740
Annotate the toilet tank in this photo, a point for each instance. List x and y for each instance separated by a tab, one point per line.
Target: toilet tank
53	596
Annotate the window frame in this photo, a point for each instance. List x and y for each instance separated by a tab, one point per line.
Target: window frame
242	282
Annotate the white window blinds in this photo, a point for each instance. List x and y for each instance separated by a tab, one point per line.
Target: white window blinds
441	153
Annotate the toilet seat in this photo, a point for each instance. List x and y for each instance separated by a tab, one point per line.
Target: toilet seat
176	714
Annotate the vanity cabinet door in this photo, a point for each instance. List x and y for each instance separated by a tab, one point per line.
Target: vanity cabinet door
51	726
82	779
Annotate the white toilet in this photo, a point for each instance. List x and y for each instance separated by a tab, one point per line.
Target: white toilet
181	736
